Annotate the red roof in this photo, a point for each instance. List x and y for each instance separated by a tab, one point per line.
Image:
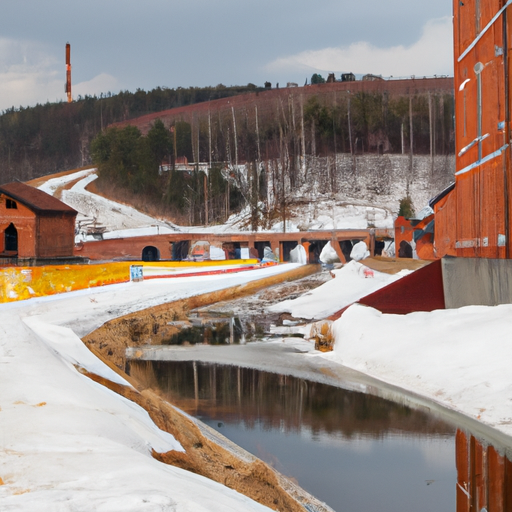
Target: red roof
35	199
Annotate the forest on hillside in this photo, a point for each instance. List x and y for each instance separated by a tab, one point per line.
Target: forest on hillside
40	140
261	149
263	154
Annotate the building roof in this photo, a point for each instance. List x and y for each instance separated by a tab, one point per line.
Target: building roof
35	199
441	194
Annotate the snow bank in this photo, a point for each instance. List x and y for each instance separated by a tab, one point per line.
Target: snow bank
328	255
359	251
349	285
52	185
67	442
298	255
458	357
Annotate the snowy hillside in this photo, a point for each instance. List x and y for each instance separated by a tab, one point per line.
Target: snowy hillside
116	220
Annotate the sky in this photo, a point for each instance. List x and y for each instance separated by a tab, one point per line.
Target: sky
127	44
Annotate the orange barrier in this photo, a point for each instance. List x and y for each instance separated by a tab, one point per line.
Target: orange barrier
21	283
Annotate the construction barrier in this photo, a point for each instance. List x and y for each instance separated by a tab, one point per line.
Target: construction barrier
21	283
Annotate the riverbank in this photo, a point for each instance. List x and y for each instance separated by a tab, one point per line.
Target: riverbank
454	362
97	448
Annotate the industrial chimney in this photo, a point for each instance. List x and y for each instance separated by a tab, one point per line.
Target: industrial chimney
68	72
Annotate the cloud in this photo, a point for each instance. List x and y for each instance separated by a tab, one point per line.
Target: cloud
29	74
100	83
431	55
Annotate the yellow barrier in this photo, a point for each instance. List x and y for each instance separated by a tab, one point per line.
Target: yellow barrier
208	263
21	283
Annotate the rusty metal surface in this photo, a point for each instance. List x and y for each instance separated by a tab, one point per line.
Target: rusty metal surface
420	291
483	476
445	215
478	224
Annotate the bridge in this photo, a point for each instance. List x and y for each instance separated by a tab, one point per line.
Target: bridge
168	247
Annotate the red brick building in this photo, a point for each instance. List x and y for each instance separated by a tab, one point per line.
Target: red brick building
34	224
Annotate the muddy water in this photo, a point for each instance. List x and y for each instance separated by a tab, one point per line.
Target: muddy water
354	451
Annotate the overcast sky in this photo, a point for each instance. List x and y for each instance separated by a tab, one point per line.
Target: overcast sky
129	44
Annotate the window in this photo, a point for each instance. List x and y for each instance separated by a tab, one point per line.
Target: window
9	203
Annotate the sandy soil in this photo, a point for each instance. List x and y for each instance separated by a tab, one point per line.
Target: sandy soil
253	478
393	265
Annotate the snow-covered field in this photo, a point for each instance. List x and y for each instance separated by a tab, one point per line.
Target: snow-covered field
459	358
70	444
117	219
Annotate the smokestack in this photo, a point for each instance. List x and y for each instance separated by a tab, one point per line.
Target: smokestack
68	72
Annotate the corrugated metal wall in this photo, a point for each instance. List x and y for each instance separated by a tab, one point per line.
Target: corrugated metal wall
481	203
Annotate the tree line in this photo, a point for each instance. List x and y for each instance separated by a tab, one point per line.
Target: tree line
262	154
259	153
52	137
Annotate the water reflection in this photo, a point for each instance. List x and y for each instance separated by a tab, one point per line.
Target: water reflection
220	329
356	452
233	395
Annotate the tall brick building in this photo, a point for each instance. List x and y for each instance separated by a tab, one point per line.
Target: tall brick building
34	224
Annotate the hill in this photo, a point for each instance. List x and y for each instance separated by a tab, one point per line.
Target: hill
270	151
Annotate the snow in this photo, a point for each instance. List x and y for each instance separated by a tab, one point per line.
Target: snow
52	185
121	221
118	219
349	285
298	255
329	255
68	443
330	214
459	358
359	251
95	446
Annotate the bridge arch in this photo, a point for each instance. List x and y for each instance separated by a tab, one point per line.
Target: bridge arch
150	253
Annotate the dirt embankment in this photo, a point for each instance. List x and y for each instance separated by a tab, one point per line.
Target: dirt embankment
202	456
153	326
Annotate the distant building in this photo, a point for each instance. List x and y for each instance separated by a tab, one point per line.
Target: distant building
292	84
182	164
268	85
331	78
348	77
372	78
34	224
